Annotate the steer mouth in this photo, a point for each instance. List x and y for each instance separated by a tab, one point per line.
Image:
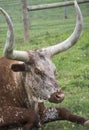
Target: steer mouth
57	97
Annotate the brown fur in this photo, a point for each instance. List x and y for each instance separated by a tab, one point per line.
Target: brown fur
13	98
11	92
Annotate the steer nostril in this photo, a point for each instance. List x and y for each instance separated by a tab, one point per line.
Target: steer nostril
60	96
57	96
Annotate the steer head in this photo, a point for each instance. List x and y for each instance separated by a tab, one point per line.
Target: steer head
36	66
39	77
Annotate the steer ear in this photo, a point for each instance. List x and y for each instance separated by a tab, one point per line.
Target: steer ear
18	67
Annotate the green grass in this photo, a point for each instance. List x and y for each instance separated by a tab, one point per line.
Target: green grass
72	74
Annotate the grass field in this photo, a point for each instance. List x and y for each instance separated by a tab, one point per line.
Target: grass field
47	28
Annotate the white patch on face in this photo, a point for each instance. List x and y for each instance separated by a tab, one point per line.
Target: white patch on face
40	81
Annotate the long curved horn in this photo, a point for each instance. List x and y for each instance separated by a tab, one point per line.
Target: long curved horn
8	49
55	49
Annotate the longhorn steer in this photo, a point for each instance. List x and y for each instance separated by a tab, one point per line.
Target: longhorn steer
27	79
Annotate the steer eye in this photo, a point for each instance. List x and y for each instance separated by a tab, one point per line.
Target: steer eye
38	71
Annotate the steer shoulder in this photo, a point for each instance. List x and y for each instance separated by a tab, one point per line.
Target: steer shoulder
11	88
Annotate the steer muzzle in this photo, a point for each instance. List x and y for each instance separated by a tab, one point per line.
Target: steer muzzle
57	97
